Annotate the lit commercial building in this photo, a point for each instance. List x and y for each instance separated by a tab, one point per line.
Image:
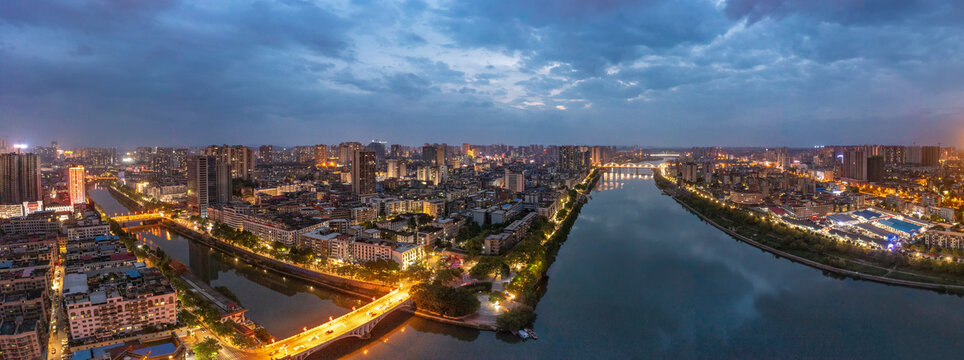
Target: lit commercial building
76	185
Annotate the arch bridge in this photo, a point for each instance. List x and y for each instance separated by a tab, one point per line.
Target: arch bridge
124	219
642	165
357	323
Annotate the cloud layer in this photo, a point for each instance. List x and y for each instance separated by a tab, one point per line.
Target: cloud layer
652	72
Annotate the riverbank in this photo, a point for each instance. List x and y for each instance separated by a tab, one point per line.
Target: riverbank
345	285
680	195
529	284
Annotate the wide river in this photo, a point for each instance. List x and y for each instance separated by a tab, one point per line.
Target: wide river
639	277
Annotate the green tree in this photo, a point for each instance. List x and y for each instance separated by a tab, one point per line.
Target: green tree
487	266
263	335
207	349
517	318
188	318
444	300
241	340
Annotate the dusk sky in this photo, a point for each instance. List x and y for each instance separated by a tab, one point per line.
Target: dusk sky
653	73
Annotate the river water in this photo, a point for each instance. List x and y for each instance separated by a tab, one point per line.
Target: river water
639	277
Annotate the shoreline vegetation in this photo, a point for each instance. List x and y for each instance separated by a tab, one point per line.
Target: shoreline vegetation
835	258
538	252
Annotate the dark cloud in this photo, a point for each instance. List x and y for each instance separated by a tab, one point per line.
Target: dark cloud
588	35
662	72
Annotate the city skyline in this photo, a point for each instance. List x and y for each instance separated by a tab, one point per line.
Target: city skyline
672	74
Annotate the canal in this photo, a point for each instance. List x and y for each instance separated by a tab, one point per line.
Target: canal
282	305
639	277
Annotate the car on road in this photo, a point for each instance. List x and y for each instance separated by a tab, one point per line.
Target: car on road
329	332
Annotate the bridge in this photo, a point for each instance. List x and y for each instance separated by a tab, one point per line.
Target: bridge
643	165
123	219
664	155
357	323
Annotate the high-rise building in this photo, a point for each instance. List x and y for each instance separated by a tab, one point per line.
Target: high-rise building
875	168
304	154
570	158
266	154
97	156
20	178
434	154
855	164
143	155
396	151
76	184
345	151
930	155
397	168
169	161
515	180
363	172
240	158
379	148
320	155
601	155
894	154
208	183
913	155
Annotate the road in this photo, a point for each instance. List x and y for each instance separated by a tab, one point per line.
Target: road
58	322
334	329
312	337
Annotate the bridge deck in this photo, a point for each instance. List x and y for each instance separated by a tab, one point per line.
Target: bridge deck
344	325
137	217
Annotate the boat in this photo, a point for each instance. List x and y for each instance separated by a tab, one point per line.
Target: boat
523	334
532	334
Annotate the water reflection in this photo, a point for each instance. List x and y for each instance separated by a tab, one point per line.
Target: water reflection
640	277
282	305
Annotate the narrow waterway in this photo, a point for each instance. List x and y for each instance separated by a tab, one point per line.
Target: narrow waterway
640	277
282	305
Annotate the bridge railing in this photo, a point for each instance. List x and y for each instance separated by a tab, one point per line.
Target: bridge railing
364	309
